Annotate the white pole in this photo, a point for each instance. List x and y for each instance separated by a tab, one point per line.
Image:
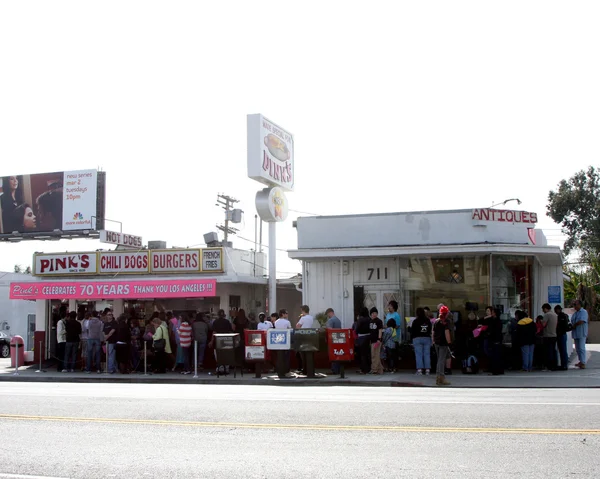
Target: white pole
273	266
40	354
16	373
145	360
195	359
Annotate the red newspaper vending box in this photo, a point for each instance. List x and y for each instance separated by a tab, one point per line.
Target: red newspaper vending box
255	348
340	344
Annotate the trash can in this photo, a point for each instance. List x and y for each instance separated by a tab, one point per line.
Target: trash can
17	351
225	346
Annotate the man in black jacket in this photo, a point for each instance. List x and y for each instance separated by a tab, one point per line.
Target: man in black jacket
73	329
563	326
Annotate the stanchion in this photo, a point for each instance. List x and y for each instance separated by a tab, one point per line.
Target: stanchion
195	359
40	370
16	373
106	345
145	360
342	371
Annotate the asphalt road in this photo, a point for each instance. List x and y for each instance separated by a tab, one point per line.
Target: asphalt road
133	430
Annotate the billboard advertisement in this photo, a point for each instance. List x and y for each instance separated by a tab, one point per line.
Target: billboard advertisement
270	153
48	202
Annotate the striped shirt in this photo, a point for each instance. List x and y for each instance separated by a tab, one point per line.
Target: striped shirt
185	335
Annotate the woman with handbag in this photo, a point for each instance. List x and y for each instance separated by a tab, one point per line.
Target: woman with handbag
161	346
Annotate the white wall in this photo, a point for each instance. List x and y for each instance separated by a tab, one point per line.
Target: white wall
405	229
13	312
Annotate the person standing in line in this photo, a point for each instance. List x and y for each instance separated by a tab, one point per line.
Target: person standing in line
200	329
442	339
333	323
452	327
122	345
284	323
495	341
95	328
563	326
73	336
420	332
110	337
305	321
162	346
185	341
550	322
363	340
274	317
389	341
84	339
525	336
61	343
263	324
580	321
252	322
393	313
376	328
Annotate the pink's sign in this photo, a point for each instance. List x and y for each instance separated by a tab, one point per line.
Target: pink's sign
187	288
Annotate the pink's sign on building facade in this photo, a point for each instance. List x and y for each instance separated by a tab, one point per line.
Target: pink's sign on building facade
188	288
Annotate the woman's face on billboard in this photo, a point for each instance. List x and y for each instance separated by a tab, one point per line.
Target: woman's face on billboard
29	219
14	182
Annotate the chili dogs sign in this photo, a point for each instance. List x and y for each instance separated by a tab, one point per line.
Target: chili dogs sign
270	153
197	288
207	260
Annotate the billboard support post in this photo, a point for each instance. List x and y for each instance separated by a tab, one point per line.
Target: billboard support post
273	266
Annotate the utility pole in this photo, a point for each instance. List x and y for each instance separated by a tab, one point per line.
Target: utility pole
227	202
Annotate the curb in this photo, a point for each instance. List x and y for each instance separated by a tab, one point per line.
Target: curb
265	381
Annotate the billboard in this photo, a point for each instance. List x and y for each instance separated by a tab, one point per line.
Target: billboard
270	153
51	203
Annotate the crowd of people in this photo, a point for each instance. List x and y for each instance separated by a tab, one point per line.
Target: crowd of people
167	341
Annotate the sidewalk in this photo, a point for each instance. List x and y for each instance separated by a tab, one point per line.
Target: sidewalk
573	378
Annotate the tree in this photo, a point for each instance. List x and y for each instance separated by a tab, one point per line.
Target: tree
19	269
575	205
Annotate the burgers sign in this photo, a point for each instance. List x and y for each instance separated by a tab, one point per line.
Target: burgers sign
270	153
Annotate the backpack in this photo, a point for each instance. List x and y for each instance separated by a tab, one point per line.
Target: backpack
470	365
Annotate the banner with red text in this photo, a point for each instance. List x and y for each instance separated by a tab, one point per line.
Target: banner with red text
187	288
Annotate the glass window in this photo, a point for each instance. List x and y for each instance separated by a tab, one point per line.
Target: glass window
512	285
461	283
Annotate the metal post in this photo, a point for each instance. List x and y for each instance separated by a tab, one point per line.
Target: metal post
309	366
342	371
195	359
145	360
272	266
16	373
258	370
40	354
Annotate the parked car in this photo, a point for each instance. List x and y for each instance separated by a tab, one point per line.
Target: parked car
4	345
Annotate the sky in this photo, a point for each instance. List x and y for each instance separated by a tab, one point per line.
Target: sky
394	106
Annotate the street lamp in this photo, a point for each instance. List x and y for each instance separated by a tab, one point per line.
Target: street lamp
506	201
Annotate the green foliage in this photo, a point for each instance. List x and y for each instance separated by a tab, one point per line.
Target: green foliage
321	318
575	205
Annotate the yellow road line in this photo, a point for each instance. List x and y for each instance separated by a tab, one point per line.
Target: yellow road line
309	427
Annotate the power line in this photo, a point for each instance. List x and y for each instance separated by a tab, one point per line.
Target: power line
304	212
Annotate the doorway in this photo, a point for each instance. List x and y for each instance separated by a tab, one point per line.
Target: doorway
380	300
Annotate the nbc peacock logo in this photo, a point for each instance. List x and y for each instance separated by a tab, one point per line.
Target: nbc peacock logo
77	216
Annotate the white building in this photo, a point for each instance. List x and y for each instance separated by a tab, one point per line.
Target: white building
179	280
466	259
17	318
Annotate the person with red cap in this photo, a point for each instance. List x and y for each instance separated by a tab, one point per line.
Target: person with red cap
442	340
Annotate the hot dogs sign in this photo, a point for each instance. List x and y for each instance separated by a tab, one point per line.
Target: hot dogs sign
270	153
